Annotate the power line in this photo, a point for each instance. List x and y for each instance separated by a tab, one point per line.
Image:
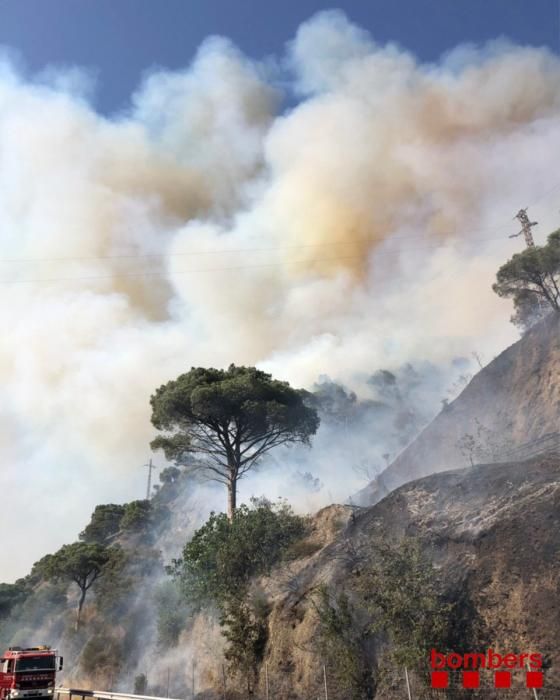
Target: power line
544	195
224	251
166	273
236	251
128	256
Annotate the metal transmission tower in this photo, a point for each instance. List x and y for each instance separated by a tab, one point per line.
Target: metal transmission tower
526	226
150	467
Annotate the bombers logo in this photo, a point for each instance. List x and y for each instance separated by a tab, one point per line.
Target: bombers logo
501	665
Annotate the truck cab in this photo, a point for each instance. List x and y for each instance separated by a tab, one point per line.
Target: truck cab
28	673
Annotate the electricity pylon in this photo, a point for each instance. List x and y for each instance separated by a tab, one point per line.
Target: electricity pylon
526	226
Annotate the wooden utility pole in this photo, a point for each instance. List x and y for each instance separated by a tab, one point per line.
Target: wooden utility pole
407	683
535	695
325	682
150	467
266	679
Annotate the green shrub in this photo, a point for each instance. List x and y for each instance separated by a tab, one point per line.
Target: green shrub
223	556
115	585
105	523
144	517
343	644
11	594
402	591
245	627
172	613
137	516
102	654
218	565
140	684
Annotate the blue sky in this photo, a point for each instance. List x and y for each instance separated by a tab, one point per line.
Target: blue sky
120	39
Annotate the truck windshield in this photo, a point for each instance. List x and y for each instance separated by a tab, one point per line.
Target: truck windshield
37	663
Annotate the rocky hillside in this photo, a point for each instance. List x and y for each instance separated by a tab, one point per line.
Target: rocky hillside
513	400
492	531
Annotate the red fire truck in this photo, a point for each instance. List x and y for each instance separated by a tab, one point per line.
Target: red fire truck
28	673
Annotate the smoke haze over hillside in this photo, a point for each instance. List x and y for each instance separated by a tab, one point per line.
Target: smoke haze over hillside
358	229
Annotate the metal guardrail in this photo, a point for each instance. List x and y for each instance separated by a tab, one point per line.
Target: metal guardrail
103	695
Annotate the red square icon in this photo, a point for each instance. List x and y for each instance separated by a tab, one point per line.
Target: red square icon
534	679
440	679
471	679
502	679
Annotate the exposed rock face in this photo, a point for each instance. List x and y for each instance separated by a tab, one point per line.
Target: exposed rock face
516	399
495	532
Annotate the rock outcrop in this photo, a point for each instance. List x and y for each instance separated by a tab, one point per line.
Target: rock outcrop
493	531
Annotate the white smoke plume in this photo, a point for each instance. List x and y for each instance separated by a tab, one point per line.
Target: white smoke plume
359	229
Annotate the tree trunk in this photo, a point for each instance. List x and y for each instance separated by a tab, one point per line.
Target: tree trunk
80	606
232	498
